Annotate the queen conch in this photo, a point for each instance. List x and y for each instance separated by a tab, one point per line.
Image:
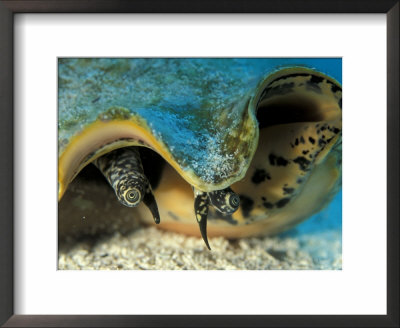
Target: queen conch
202	146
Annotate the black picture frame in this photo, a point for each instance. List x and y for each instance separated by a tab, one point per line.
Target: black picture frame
7	199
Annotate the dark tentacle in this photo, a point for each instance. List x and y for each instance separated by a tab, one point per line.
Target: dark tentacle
201	203
151	203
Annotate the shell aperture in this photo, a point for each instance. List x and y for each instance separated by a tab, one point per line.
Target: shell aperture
124	172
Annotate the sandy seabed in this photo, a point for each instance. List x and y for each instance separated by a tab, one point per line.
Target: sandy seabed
315	244
151	249
148	248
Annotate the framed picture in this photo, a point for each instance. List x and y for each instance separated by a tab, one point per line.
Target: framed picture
271	84
166	140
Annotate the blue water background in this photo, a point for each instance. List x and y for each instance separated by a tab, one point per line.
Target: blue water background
329	219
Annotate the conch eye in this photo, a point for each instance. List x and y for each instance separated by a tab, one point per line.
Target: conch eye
133	197
234	201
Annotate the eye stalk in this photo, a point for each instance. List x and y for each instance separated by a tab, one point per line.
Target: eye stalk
225	201
124	172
